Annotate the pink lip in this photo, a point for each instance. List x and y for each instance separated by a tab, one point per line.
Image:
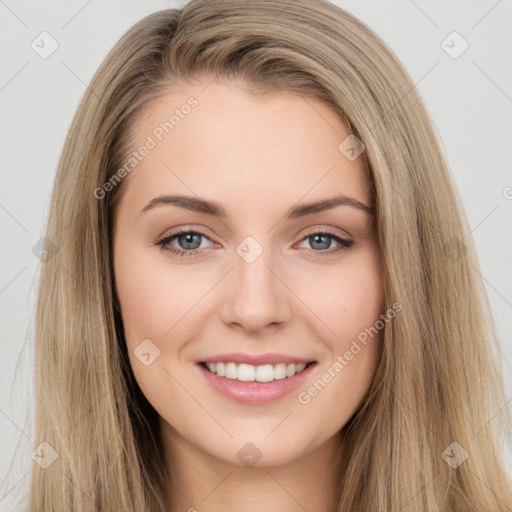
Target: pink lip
255	393
254	359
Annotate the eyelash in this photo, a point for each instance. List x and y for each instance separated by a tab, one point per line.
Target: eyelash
164	243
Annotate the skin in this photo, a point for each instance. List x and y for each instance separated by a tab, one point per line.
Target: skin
257	157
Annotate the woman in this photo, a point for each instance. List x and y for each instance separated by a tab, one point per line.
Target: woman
257	369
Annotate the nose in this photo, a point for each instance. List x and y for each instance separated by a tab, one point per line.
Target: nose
255	298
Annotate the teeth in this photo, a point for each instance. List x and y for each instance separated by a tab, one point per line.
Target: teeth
250	373
246	372
231	371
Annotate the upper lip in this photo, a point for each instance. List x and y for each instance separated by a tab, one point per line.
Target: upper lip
254	359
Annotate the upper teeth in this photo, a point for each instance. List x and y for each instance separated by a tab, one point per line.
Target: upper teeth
249	373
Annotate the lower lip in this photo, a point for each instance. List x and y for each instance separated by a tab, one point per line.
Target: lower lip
255	392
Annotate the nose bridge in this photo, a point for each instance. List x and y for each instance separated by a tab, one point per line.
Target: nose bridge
255	296
252	264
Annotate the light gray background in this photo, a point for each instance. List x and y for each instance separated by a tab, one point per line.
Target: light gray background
469	98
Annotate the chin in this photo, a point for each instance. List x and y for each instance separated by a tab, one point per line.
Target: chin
259	453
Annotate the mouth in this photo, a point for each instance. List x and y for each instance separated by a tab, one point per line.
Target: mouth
251	373
255	384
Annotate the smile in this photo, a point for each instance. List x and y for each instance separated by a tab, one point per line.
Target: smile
255	385
250	373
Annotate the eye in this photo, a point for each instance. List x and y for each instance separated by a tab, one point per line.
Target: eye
190	242
321	240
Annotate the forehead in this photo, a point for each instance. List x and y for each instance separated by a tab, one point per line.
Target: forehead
219	140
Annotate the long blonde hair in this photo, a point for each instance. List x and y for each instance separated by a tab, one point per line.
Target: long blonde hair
438	381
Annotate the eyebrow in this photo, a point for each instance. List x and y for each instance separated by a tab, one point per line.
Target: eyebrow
208	207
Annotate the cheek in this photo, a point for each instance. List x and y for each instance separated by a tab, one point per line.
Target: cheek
348	298
356	307
152	294
159	301
349	301
152	297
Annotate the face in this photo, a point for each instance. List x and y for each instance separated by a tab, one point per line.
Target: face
253	285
